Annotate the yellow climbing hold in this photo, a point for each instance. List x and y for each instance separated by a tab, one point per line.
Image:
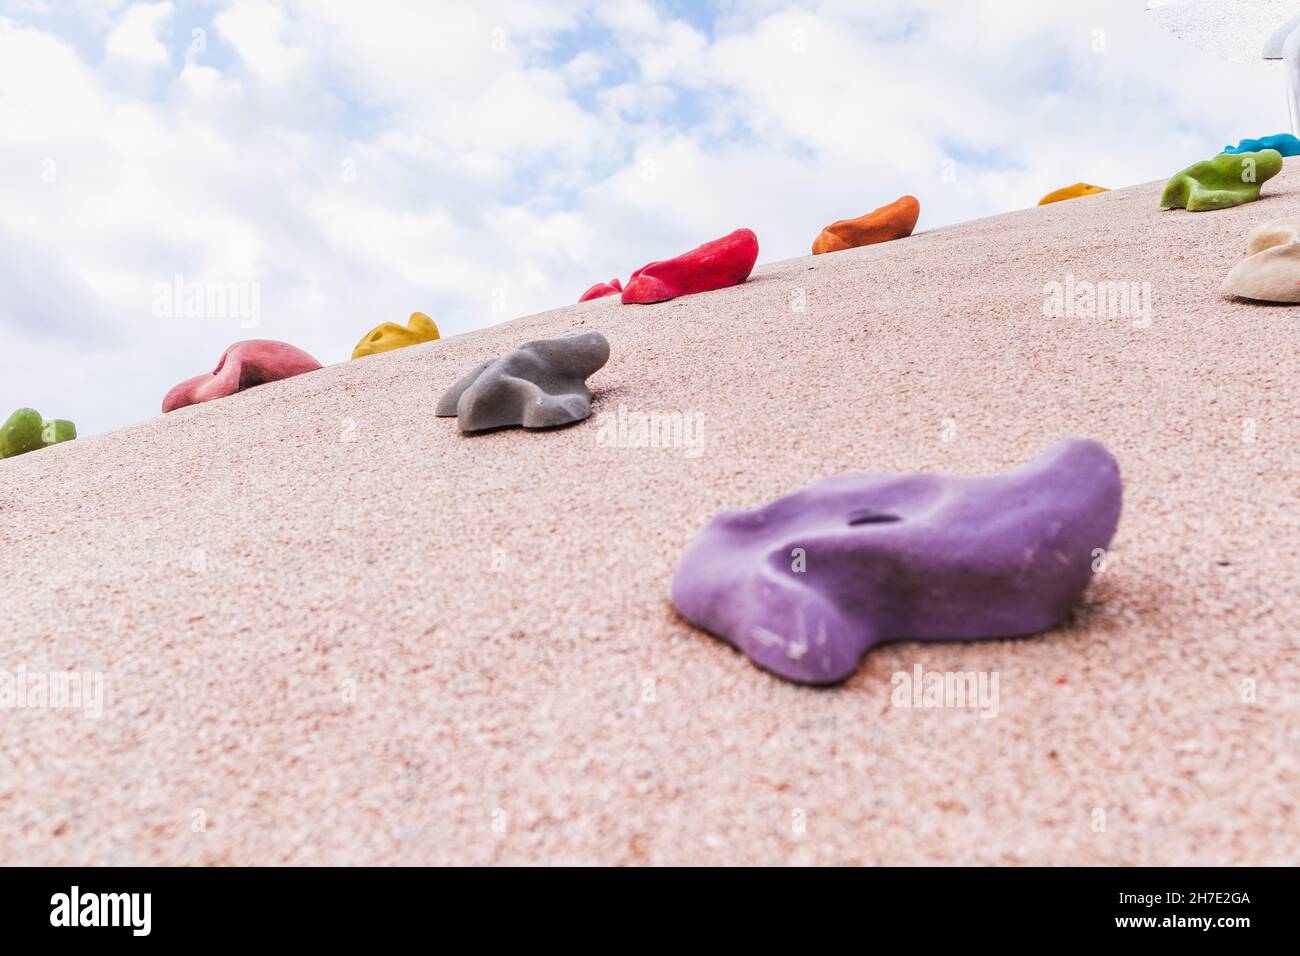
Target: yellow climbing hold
1072	192
384	338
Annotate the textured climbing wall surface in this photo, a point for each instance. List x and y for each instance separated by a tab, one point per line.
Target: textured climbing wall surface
1232	29
333	629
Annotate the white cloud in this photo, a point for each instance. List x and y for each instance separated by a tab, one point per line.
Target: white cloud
258	34
361	161
135	39
585	69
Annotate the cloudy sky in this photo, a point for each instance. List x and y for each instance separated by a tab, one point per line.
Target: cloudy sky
350	162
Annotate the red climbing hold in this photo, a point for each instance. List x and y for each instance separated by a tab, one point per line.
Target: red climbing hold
714	265
602	289
242	366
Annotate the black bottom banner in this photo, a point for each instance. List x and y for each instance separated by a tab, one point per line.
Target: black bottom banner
1222	907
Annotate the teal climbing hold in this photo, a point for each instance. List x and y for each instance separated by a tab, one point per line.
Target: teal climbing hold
26	431
1228	179
1284	143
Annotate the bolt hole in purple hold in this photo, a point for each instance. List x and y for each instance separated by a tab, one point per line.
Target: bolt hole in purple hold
804	594
871	517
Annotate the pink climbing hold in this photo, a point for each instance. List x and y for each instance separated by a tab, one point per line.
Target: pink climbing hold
243	365
715	265
602	289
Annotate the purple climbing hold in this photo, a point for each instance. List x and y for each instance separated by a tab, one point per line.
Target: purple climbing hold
807	583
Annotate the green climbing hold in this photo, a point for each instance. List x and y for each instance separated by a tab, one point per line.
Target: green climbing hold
1226	180
26	431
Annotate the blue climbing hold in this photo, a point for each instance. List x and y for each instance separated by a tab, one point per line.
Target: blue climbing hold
1284	143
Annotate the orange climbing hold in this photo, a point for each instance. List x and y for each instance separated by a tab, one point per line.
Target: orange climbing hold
895	221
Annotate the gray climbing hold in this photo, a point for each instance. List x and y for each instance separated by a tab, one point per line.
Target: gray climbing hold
539	385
